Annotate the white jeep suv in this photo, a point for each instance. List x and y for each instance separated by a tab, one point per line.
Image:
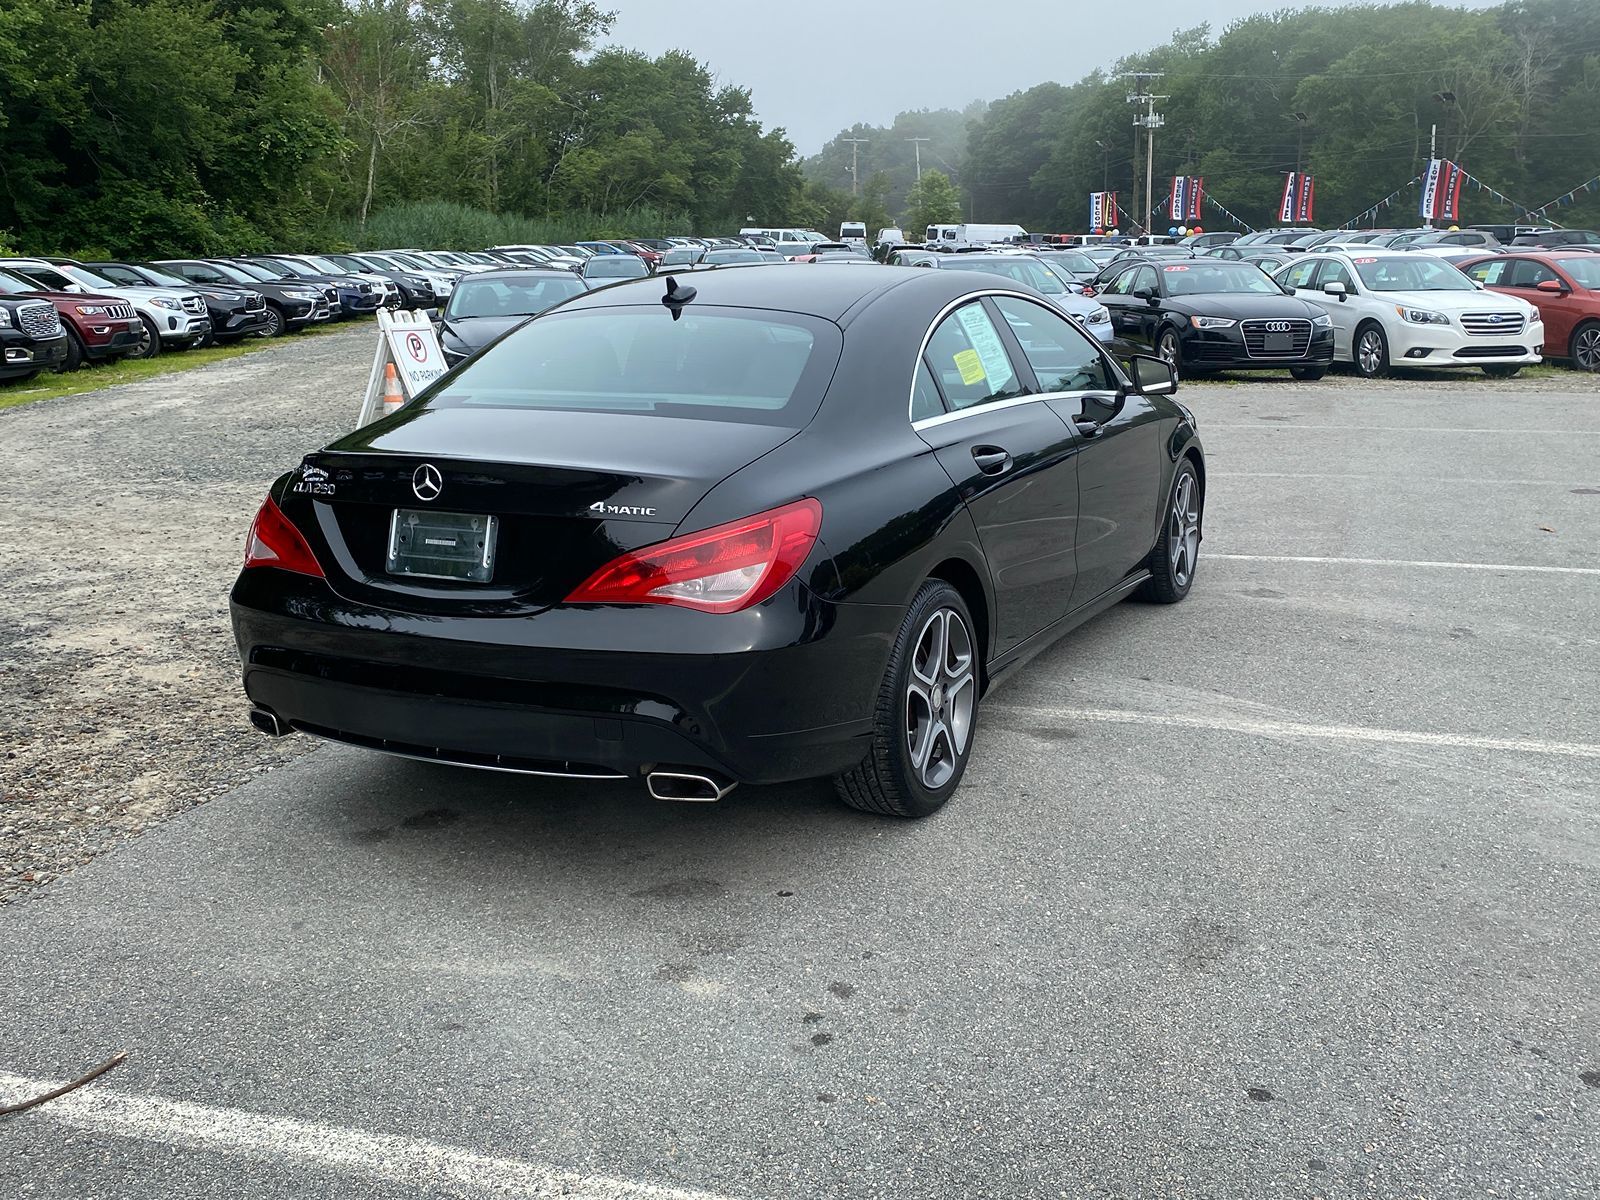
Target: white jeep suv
1401	308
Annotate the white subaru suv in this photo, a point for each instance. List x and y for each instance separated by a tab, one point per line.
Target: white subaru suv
1403	308
171	318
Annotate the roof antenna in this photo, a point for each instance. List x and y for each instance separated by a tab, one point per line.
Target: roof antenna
677	297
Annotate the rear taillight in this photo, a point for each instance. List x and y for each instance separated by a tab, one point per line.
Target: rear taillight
275	542
720	570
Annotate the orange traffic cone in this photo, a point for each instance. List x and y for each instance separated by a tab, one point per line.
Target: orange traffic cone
393	398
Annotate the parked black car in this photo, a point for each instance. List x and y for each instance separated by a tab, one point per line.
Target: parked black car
779	524
352	297
488	304
235	310
1212	315
290	304
31	334
415	290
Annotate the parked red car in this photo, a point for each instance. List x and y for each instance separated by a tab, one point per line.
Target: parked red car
1564	285
99	328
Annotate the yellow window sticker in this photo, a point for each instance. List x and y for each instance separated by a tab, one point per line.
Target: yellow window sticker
970	366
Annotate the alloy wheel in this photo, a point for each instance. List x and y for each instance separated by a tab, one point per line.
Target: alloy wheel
1167	348
146	346
1183	530
1586	348
941	695
1369	352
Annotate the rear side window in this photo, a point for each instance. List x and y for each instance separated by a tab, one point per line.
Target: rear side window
739	365
925	401
970	361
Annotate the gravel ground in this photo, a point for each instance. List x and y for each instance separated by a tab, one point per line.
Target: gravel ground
126	509
123	513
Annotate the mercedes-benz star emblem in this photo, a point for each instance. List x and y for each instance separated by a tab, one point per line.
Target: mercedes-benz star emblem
426	482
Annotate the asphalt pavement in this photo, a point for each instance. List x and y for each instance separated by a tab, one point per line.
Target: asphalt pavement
1290	890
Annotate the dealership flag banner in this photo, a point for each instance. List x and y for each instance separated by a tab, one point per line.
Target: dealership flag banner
1307	203
1102	211
1299	191
1184	203
1441	191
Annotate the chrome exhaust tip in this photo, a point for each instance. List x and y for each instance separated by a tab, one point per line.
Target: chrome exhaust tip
688	786
269	723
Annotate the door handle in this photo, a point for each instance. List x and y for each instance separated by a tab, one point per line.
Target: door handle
1087	426
991	460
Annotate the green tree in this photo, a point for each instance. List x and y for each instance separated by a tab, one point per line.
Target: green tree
932	201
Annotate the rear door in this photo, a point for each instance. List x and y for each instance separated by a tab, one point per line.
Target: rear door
1014	462
1118	464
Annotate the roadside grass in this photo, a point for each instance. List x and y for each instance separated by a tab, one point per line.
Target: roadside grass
94	378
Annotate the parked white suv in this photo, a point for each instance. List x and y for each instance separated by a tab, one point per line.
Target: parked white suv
172	319
1398	307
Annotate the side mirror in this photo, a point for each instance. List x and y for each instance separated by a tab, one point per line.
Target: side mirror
1337	289
1152	376
1553	286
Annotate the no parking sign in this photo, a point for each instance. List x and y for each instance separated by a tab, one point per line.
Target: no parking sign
409	342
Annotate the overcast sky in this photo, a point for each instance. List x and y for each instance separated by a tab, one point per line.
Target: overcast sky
818	67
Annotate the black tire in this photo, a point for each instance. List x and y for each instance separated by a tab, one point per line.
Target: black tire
1309	374
276	322
1586	346
1371	359
150	343
1172	570
205	340
1170	348
1502	370
890	781
76	356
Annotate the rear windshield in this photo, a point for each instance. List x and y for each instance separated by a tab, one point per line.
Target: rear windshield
510	295
738	365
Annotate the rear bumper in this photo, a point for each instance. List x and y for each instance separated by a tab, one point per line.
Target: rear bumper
782	692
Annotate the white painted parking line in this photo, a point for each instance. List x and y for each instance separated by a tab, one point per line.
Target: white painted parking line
1221	723
1401	562
1357	427
418	1166
1427	481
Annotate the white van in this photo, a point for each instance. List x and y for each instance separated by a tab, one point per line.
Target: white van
974	237
853	232
940	237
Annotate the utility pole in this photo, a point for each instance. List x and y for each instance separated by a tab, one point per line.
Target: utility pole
855	145
1105	165
1149	121
917	142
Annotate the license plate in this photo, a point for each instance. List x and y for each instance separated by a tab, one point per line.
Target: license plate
424	544
1278	342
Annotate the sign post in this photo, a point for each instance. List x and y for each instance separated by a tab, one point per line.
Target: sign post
408	342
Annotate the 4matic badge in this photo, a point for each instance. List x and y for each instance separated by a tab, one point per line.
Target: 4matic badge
620	510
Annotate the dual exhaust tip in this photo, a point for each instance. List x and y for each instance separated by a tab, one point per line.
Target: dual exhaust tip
684	785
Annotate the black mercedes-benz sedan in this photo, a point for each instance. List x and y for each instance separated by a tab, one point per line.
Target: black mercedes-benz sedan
735	526
1208	315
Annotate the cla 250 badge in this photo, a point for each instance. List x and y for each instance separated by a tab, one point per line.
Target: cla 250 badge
620	510
313	481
